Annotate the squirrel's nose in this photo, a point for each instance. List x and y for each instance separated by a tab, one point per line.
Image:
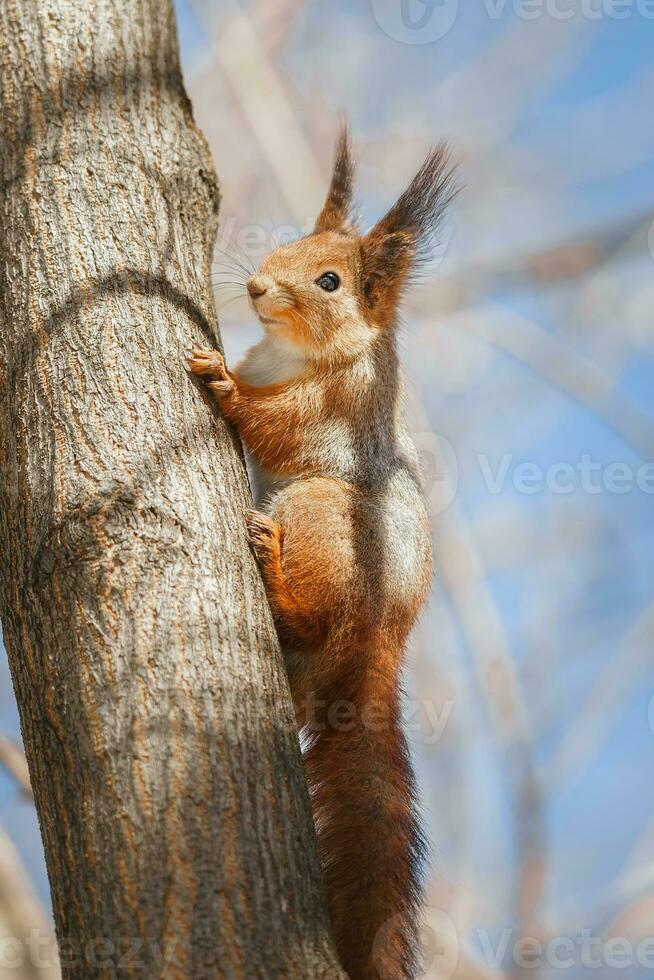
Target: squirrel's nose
255	289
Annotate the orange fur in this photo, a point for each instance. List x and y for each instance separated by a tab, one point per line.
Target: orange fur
343	542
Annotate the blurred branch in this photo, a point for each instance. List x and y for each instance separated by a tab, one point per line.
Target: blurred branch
561	366
606	700
14	761
272	19
591	249
23	918
465	579
483	630
260	94
449	919
634	922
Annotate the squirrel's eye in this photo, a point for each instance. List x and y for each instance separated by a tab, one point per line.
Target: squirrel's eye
329	282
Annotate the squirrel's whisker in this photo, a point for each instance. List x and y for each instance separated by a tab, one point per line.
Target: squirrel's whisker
240	261
229	302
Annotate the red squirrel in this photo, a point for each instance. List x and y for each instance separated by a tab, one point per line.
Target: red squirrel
342	539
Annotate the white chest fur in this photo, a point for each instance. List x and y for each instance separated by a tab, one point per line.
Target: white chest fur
270	362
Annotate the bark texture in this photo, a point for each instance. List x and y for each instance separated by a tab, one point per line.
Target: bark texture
155	711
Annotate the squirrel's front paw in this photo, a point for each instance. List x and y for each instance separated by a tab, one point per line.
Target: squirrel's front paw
204	360
211	363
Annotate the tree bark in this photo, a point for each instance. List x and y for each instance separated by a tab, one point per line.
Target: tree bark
154	707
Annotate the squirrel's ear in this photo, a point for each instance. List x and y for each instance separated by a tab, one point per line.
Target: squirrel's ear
335	213
385	261
402	237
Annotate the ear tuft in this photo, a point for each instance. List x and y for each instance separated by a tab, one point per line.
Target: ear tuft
335	213
420	208
403	237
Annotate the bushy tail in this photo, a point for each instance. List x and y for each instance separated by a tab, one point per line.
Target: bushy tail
370	843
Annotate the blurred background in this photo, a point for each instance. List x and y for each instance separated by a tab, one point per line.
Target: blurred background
528	347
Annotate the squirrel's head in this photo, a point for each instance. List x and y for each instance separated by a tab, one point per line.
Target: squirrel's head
335	288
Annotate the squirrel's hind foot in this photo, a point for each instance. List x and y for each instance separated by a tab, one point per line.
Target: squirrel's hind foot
265	536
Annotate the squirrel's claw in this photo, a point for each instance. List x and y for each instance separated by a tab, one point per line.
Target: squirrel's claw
206	361
263	531
221	387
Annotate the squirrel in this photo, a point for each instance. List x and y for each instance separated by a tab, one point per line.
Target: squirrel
342	538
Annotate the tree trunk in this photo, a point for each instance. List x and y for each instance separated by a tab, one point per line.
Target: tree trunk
155	710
